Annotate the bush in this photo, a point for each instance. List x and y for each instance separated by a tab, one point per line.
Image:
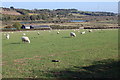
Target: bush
17	25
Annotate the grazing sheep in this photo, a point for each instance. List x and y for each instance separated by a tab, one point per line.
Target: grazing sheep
58	32
25	39
24	34
72	34
7	36
38	33
90	30
83	32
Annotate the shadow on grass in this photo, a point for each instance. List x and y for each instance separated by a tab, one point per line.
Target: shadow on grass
108	68
16	43
66	37
104	69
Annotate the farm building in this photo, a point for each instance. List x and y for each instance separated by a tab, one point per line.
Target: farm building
26	27
40	26
36	27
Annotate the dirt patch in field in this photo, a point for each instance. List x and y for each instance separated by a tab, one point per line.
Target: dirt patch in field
3	63
24	61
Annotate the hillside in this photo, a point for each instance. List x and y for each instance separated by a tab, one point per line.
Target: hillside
53	13
58	18
9	12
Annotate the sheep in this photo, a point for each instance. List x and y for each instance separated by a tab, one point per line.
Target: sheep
38	33
24	34
7	36
72	34
12	32
90	30
58	32
83	32
25	39
74	30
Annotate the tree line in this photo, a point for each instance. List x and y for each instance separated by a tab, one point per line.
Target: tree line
46	14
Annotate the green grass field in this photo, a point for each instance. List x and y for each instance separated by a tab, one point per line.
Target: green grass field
84	56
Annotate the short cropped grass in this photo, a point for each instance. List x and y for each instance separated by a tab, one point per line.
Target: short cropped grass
76	54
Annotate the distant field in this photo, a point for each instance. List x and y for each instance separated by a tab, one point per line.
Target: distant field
78	14
10	12
84	56
32	14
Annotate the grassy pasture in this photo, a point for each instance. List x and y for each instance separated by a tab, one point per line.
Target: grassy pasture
89	55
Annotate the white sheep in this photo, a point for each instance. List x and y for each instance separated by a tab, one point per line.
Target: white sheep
25	39
72	34
24	34
38	33
83	32
7	36
90	30
58	32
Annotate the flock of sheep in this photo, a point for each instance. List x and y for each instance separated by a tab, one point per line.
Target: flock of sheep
72	34
24	38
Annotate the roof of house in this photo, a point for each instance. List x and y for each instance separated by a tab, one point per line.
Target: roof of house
26	25
38	26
